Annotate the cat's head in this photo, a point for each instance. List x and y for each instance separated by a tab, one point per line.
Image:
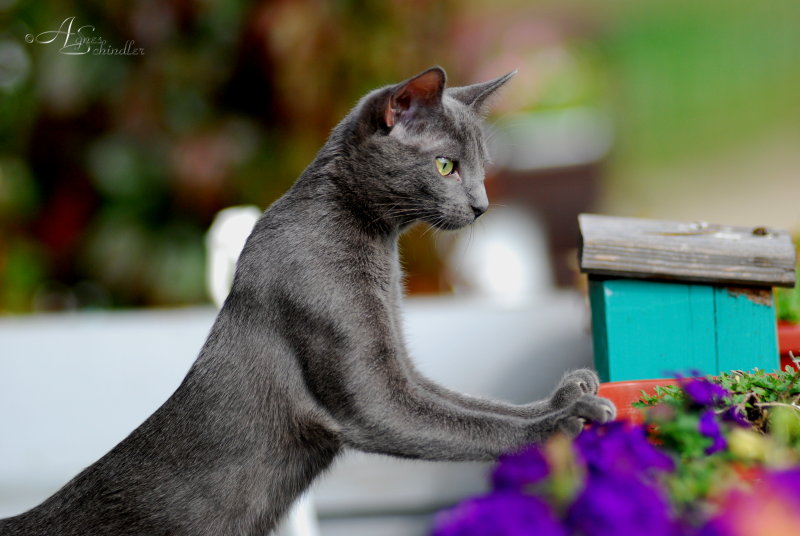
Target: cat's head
421	149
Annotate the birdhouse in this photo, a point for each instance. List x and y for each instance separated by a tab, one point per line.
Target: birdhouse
672	297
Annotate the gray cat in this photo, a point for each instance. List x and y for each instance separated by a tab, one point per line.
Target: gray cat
307	357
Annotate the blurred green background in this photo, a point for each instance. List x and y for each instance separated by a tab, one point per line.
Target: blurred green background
113	166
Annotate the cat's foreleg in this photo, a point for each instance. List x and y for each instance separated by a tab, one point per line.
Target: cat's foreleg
401	419
572	386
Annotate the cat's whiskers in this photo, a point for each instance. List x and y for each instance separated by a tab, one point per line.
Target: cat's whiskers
434	226
428	230
406	214
394	209
471	234
489	133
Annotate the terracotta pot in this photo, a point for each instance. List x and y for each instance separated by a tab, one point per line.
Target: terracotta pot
623	394
788	341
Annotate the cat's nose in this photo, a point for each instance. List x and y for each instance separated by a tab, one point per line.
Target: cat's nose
479	209
478	201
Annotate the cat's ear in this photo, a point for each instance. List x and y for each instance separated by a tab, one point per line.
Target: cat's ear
407	98
477	95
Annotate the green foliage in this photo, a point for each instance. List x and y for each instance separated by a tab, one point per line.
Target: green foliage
232	99
788	303
694	467
766	435
756	394
687	65
112	167
661	393
788	299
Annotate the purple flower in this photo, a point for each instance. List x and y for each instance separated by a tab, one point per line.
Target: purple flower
772	507
615	504
704	392
734	414
503	513
709	427
715	527
620	448
519	470
787	483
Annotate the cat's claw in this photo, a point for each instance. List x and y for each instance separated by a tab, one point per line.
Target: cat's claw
574	385
571	426
588	408
594	408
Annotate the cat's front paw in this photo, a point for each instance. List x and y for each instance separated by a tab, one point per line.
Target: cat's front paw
573	386
587	408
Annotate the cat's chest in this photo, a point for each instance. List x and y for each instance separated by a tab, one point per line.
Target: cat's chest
380	263
396	290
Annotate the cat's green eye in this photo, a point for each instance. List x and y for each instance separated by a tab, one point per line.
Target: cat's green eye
445	166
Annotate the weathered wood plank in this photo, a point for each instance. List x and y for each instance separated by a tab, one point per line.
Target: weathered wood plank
692	252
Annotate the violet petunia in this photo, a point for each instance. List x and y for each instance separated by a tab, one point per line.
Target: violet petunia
613	504
709	427
786	482
735	415
621	448
519	470
704	392
502	513
771	508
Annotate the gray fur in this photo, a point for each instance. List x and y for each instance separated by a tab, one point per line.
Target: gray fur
307	355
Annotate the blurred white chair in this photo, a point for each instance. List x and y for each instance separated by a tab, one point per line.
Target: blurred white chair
224	242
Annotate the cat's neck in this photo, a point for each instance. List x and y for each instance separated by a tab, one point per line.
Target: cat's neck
345	194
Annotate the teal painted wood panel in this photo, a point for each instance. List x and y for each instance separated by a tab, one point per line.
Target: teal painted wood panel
651	330
647	329
746	332
597	302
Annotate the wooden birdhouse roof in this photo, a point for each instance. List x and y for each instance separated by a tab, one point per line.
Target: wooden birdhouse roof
683	251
